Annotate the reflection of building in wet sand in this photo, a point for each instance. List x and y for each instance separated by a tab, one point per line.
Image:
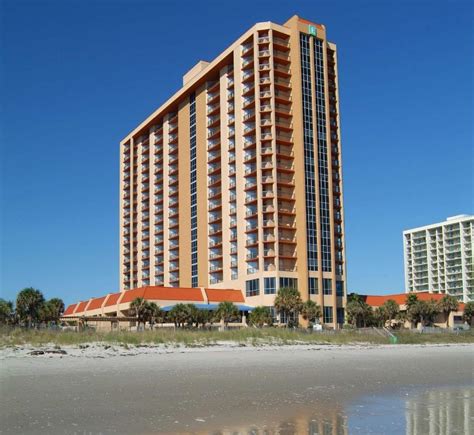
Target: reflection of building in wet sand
332	422
441	412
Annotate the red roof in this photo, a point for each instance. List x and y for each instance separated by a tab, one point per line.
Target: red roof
153	293
224	295
400	298
70	309
96	303
112	299
81	307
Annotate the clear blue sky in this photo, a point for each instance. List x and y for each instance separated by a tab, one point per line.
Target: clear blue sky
76	76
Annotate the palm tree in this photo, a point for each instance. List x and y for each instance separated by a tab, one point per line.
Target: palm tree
423	312
155	313
411	309
6	312
390	310
54	309
226	312
311	311
28	305
140	309
288	303
468	312
179	314
260	316
447	304
359	313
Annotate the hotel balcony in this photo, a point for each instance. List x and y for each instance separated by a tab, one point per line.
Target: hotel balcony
283	110
282	71
214	206
248	102
213	157
249	142
212	86
280	43
247	48
264	67
268	193
212	98
249	115
263	39
281	57
250	185
213	133
247	63
173	138
213	144
265	94
213	109
248	76
250	157
282	84
282	96
214	181
248	90
268	223
251	243
173	181
286	224
250	199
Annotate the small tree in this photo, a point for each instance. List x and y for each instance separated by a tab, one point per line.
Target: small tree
468	312
6	312
226	312
390	310
260	316
28	305
359	313
155	314
139	308
423	312
411	309
311	311
378	317
203	317
179	315
288	303
52	310
447	304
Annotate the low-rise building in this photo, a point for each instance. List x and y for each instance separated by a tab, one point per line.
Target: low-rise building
455	317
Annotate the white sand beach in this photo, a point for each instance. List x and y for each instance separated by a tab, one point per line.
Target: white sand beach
191	390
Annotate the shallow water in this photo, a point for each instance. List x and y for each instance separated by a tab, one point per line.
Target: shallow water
418	412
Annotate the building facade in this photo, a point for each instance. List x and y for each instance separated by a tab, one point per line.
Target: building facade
438	258
236	181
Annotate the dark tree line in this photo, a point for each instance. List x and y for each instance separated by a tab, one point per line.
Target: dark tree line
31	309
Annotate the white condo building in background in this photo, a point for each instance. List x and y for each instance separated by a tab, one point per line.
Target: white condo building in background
438	258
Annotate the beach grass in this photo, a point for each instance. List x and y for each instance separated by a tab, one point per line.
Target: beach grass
198	338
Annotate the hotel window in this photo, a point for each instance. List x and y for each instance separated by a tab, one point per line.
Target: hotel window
340	315
309	164
288	283
328	314
252	288
339	288
324	204
193	188
327	286
313	286
269	287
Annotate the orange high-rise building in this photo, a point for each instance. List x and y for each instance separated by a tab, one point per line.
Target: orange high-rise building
236	181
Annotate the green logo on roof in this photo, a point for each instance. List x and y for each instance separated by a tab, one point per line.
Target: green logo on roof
312	30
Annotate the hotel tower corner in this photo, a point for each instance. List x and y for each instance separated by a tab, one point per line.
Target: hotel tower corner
236	180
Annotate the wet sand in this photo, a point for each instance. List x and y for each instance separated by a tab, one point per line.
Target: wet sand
207	390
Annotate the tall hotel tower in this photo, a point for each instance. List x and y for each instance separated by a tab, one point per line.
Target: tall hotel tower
235	181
